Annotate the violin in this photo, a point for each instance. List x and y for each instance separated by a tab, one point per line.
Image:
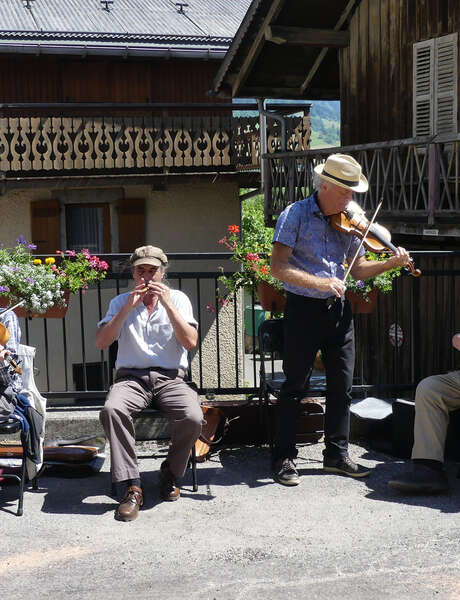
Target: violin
353	220
4	337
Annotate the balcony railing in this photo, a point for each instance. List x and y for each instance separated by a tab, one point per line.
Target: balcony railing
51	145
417	178
406	338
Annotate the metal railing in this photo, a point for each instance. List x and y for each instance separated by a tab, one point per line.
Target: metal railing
407	337
415	177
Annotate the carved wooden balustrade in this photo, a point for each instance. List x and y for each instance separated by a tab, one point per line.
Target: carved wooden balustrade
417	179
53	145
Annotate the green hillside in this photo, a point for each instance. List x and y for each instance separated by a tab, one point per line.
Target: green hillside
325	120
325	124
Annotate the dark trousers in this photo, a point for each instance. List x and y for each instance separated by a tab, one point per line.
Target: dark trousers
310	326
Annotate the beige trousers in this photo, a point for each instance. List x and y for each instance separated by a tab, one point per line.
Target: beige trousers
435	398
165	390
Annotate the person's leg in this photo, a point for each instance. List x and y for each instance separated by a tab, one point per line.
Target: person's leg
338	353
124	400
300	347
181	405
339	361
435	398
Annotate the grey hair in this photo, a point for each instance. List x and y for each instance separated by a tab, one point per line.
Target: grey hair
317	181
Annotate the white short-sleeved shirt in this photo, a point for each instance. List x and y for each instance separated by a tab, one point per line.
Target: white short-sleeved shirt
147	340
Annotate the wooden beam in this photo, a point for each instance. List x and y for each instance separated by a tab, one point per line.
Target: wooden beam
256	46
303	36
289	92
270	92
343	17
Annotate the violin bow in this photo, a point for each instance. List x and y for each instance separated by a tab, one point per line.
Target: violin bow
350	266
333	299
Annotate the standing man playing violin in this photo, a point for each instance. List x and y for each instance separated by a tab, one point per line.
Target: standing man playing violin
155	327
309	256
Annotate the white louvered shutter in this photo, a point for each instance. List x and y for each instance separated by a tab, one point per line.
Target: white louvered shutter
423	101
445	82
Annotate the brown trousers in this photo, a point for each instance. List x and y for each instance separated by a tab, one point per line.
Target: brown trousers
165	390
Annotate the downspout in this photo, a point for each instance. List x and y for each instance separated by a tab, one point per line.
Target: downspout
265	173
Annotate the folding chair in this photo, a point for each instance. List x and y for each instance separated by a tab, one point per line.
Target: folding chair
271	345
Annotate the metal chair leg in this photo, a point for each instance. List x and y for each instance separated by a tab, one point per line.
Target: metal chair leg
193	465
21	487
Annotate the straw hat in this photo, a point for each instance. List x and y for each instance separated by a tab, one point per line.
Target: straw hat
343	170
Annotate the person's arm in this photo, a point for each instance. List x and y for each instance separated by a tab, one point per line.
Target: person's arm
364	269
110	331
186	333
284	271
456	341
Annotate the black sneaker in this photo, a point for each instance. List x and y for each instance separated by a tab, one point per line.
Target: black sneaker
344	466
284	472
422	480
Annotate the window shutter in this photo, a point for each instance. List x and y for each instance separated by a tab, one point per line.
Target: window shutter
45	226
423	76
131	224
445	81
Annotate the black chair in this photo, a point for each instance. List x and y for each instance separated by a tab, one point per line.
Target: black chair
271	345
10	427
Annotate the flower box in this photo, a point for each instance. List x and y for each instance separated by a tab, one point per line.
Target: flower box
54	312
270	298
360	305
44	285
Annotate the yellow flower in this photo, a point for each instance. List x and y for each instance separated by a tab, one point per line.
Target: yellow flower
50	260
37	261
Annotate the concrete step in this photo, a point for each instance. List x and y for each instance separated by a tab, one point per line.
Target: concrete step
83	422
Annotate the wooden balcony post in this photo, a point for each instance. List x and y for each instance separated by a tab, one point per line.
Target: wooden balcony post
433	181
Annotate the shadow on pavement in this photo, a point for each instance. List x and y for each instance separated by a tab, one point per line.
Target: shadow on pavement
391	468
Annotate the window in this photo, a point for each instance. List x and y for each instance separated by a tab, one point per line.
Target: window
435	83
101	220
88	226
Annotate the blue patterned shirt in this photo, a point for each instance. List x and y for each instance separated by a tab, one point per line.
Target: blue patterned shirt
7	376
317	248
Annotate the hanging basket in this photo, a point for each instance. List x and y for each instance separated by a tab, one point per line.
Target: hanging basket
270	298
360	305
54	312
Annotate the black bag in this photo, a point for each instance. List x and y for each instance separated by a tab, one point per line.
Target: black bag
7	403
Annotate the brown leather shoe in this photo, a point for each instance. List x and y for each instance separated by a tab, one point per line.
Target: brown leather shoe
168	488
128	508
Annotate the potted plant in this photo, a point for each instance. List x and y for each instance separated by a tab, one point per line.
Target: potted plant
44	286
362	294
254	259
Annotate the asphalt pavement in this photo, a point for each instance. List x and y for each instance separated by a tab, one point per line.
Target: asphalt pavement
240	537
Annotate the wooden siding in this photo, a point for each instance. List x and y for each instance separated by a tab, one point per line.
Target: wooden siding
59	79
426	311
376	68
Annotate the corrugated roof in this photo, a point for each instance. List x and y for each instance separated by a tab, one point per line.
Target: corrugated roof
202	23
